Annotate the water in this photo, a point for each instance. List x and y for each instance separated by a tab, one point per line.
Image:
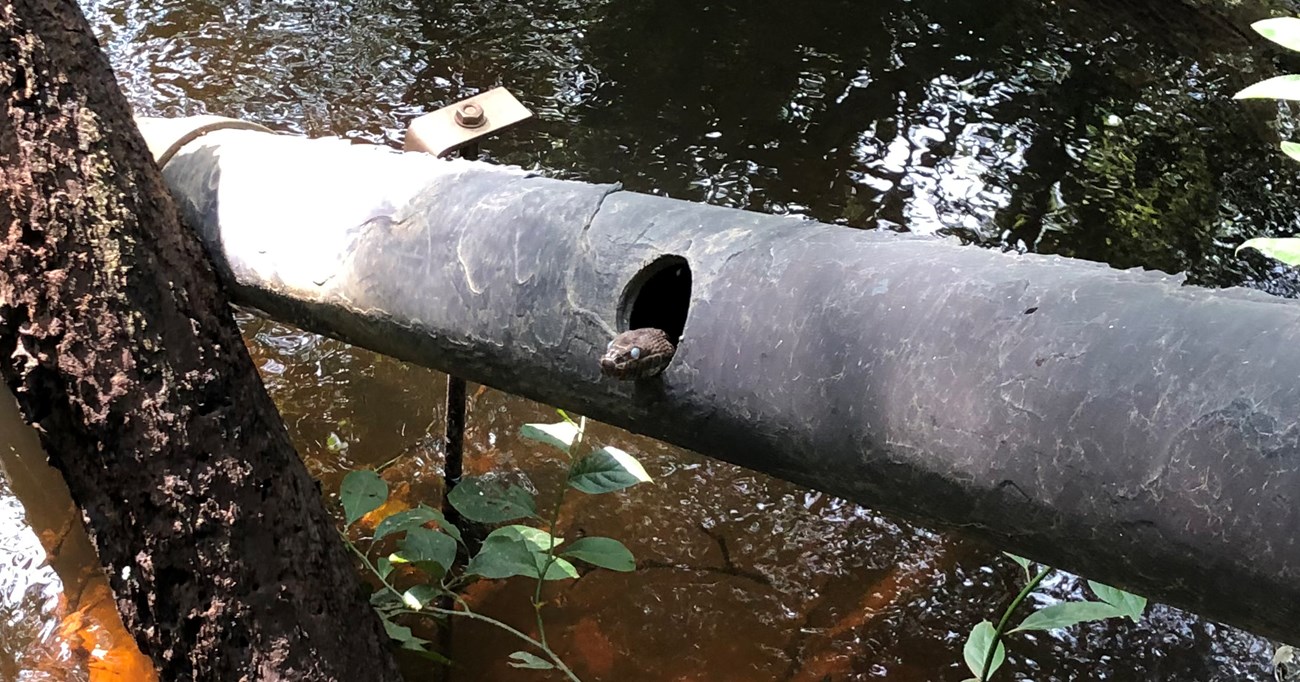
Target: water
1101	131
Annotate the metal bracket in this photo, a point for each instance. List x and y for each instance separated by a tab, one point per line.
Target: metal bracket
465	123
166	136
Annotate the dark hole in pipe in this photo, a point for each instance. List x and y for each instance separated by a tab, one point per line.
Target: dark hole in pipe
659	296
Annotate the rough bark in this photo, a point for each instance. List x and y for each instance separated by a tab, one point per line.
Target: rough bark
119	344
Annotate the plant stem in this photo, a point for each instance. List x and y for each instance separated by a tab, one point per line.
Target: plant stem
391	462
359	553
555	520
467	613
555	659
1006	616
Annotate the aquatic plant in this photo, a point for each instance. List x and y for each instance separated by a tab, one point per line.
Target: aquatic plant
984	651
514	550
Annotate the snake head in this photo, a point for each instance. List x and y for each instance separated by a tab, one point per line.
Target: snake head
637	354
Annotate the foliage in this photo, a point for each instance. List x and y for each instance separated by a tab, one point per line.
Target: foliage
1140	214
514	550
1284	31
984	651
363	492
1285	249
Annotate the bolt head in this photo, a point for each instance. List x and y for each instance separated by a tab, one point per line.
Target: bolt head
470	115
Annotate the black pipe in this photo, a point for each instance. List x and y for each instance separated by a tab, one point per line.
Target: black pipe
1116	424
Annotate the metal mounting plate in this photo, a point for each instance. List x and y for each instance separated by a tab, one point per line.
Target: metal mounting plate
442	132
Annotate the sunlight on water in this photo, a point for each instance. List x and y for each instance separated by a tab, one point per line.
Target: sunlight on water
29	598
1026	126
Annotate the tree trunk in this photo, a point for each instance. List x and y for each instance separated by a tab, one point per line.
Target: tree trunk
121	349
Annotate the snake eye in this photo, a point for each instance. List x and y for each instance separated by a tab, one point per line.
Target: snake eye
635	353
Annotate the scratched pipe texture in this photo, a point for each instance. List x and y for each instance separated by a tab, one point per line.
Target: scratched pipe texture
1113	423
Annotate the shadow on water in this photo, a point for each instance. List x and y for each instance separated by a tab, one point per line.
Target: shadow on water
1102	131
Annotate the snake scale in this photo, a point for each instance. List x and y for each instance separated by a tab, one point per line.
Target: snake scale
637	354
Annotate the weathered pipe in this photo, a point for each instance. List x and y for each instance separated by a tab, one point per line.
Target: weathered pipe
1113	423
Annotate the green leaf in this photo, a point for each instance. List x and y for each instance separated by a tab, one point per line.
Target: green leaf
491	501
383	598
977	649
1021	561
538	540
502	557
559	435
384	568
1285	249
420	596
1292	150
1284	31
602	552
410	642
361	493
414	518
523	659
606	470
1278	87
1068	613
422	544
403	634
435	570
1128	604
518	550
397	632
404	520
335	444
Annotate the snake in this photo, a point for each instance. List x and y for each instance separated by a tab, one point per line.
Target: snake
637	354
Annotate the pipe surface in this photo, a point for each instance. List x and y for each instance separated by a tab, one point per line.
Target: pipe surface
1113	423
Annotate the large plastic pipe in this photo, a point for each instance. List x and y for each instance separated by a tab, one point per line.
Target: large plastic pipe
1116	424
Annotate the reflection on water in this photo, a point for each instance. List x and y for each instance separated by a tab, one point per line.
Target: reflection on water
29	597
1101	131
741	576
59	619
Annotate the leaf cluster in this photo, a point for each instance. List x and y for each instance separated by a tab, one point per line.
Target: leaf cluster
1284	31
428	541
984	651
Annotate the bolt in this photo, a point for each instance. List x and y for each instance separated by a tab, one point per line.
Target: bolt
470	116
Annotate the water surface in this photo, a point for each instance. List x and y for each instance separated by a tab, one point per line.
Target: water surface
1100	131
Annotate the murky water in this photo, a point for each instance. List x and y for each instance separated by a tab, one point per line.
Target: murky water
1101	131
